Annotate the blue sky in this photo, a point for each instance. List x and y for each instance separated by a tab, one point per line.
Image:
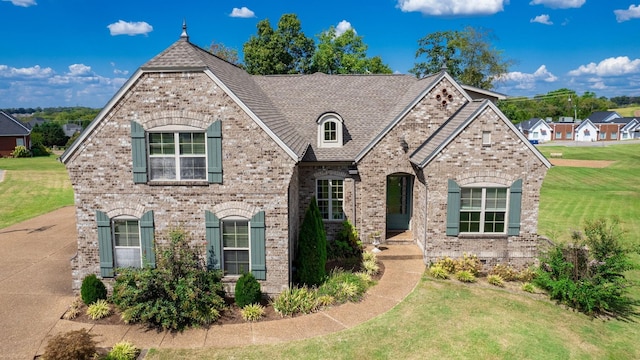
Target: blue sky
79	52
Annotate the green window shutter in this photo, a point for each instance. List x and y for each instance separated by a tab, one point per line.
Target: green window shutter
214	241
139	152
105	245
146	239
453	209
214	152
515	204
258	256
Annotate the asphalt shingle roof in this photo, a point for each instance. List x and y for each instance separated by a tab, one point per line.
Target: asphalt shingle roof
10	126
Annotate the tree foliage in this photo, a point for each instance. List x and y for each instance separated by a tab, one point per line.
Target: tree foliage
345	54
311	257
468	55
589	275
226	53
284	50
51	134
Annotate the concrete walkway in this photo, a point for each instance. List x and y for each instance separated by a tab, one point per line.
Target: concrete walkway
35	290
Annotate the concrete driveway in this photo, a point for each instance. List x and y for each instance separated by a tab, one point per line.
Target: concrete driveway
35	280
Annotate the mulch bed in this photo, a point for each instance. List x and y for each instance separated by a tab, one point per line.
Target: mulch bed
231	315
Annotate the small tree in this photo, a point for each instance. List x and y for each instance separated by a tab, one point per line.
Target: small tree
589	274
312	247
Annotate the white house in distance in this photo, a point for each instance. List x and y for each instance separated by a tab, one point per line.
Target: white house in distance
586	131
536	130
631	130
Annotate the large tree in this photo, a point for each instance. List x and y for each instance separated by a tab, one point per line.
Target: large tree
284	50
224	52
468	55
345	54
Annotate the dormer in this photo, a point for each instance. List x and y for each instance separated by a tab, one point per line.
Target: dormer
330	130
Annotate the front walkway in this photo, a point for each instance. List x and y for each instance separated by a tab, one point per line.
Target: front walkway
35	290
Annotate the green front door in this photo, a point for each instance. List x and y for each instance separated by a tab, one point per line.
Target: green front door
398	202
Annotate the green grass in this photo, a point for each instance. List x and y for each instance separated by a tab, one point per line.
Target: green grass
627	111
32	187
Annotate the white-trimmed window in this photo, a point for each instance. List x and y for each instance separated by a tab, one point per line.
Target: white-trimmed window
330	197
236	250
614	136
568	135
330	130
483	210
558	135
126	242
19	142
603	135
535	134
177	156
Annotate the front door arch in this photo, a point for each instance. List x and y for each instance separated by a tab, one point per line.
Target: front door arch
399	204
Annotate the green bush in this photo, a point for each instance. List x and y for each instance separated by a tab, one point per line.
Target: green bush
465	276
528	287
347	243
37	149
495	280
438	272
99	309
312	248
468	263
180	292
252	312
247	290
344	286
92	289
20	152
296	300
589	275
123	350
75	344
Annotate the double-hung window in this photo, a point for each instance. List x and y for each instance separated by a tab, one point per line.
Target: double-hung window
126	243
235	242
483	210
330	197
177	156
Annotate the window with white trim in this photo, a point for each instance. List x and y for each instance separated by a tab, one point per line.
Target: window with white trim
603	135
330	131
614	136
483	210
236	250
177	156
558	135
330	197
126	243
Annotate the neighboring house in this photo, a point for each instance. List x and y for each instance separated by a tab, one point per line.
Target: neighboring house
195	142
69	129
536	130
603	116
12	133
611	130
563	130
587	131
631	130
35	121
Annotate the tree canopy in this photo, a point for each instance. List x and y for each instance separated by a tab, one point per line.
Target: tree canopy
345	54
224	52
284	50
468	55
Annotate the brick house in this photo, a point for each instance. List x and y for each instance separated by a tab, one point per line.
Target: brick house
12	133
193	141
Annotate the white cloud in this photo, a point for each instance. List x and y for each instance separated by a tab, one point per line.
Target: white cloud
343	26
559	4
452	7
23	3
521	80
625	15
617	66
542	19
34	72
242	12
130	28
79	70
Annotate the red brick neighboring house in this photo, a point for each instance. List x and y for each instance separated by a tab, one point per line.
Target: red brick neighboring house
12	133
234	159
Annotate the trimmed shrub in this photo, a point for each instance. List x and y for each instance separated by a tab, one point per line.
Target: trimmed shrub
370	266
123	350
344	286
74	309
252	312
37	149
76	344
347	243
438	272
495	280
99	309
312	248
180	292
92	289
506	272
466	276
469	263
20	152
247	290
295	300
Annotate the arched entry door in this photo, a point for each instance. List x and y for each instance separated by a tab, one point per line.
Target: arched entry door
399	193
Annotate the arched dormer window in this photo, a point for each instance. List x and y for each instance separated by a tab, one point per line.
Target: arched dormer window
330	130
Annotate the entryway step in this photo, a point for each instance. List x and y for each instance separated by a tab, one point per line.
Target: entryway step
400	238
